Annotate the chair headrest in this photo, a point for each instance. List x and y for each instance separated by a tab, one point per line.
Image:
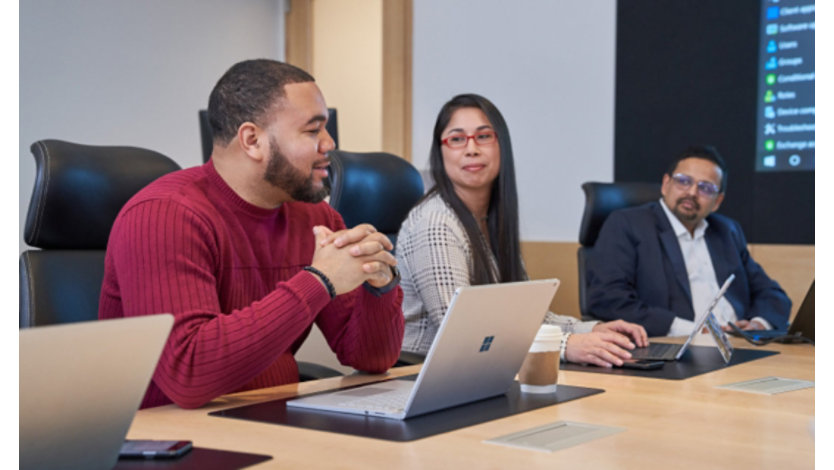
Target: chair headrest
206	139
377	188
79	190
601	199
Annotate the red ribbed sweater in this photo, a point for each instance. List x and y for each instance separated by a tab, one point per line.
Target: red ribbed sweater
231	273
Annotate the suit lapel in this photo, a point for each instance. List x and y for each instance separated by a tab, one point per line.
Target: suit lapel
714	247
723	267
672	248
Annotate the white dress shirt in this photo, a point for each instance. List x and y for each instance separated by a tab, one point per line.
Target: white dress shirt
703	284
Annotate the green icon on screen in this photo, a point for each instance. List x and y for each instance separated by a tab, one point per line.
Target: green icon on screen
768	98
770	78
770	145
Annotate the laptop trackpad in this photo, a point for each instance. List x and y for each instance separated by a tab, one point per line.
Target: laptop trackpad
358	395
364	391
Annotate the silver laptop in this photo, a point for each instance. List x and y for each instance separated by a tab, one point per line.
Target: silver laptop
720	337
673	352
80	385
478	349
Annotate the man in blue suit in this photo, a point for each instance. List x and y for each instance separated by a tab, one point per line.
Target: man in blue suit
661	263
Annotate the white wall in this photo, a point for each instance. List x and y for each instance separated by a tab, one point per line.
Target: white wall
108	72
549	67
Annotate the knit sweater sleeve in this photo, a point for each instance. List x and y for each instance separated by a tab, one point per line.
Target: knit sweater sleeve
365	331
165	257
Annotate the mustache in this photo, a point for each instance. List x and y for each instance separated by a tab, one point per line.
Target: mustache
689	198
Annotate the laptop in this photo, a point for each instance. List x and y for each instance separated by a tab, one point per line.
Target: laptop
720	337
80	385
801	328
673	352
476	354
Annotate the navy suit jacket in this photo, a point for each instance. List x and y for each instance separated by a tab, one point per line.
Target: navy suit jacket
636	272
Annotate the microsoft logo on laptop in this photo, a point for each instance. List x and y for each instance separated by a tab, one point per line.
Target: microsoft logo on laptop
487	343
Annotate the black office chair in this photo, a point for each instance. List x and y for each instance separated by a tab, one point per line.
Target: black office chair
79	190
207	143
601	199
377	188
206	140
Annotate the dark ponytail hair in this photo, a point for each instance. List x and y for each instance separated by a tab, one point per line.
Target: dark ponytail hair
502	214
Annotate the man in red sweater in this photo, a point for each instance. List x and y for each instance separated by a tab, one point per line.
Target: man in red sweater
245	254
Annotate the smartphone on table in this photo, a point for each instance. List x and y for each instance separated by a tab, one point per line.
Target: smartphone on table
150	449
642	364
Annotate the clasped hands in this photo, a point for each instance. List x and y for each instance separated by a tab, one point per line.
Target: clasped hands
350	257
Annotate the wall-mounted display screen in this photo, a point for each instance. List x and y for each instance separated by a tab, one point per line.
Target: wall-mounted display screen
735	74
786	110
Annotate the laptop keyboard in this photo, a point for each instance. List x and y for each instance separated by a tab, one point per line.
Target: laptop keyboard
656	350
390	401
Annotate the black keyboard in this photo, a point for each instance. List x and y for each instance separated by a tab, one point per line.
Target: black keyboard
657	351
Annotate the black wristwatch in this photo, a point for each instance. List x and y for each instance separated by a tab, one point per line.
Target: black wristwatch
378	291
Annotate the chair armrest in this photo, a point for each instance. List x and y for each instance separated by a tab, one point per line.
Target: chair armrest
312	371
408	358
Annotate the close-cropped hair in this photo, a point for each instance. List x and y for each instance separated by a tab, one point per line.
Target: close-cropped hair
247	92
502	215
705	152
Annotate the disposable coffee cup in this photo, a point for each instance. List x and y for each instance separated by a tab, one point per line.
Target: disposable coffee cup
540	369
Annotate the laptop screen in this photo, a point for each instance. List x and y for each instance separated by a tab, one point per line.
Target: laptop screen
703	318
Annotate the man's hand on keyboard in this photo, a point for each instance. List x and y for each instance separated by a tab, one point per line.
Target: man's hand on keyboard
634	331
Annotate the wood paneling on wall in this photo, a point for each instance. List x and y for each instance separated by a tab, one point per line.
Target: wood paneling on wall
396	77
555	259
396	55
298	29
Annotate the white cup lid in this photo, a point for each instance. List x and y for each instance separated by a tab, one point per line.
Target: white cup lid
549	338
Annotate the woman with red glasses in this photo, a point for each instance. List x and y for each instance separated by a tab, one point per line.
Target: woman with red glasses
465	231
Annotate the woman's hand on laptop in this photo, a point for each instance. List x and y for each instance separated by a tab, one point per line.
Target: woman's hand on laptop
602	348
634	331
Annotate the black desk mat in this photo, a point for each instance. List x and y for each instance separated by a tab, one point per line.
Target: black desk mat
696	360
198	458
513	402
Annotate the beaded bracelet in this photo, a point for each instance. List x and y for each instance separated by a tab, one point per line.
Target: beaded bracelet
329	285
564	347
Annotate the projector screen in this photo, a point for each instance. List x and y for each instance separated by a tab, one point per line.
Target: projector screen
786	112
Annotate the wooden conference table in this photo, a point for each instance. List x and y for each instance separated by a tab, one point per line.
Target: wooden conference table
669	424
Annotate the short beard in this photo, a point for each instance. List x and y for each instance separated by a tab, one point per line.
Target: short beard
687	217
281	174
